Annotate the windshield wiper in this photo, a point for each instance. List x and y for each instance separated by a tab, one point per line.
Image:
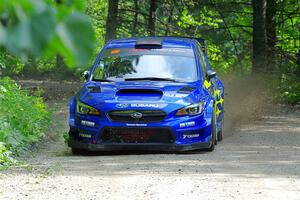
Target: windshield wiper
103	80
150	79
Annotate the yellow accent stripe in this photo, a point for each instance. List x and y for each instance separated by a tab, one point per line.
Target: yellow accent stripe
219	100
217	96
217	93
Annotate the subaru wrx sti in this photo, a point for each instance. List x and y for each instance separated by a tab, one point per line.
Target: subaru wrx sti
148	93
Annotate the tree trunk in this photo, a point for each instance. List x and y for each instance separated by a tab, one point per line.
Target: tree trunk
271	34
298	65
259	36
30	68
135	21
152	17
111	20
169	21
60	64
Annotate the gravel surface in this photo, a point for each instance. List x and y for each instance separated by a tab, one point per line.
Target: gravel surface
258	159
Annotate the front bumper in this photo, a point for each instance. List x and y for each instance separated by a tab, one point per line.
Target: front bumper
138	147
189	132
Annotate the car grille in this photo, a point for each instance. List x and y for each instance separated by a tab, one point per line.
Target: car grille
131	115
136	135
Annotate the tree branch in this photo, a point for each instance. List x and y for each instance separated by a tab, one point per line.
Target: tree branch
230	35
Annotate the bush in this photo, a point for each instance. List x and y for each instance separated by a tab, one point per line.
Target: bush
23	118
9	64
289	89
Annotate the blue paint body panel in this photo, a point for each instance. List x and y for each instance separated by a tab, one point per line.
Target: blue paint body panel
187	132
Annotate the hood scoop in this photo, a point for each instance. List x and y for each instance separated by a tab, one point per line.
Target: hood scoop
139	94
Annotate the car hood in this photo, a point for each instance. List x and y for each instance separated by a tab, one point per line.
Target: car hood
140	94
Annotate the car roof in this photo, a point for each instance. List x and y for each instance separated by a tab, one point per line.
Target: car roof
167	42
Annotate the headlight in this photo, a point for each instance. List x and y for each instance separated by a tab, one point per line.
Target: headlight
193	109
84	109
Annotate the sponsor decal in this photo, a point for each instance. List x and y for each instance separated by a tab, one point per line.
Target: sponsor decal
85	135
122	105
138	50
178	95
189	136
187	124
170	50
115	51
136	124
87	123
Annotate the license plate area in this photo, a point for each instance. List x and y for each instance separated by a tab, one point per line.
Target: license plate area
136	135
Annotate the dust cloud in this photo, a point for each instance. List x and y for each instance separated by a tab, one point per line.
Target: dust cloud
247	99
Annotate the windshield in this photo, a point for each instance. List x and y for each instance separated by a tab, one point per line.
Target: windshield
142	64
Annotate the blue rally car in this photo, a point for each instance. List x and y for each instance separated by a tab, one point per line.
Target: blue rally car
149	93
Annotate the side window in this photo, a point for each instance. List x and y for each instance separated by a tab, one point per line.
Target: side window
202	62
98	73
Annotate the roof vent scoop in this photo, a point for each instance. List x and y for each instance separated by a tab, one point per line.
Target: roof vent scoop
186	90
149	43
94	89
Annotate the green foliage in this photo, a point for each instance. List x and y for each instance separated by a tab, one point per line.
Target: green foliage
289	90
23	119
32	28
66	137
288	22
6	158
9	64
47	64
76	46
97	11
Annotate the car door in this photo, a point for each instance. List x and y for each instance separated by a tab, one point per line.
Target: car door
214	85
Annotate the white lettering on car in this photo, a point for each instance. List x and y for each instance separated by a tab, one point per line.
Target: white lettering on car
136	124
189	136
85	135
144	105
87	123
187	124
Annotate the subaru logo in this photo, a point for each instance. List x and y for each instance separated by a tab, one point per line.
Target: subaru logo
136	115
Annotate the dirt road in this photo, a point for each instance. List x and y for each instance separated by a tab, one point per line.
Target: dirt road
258	159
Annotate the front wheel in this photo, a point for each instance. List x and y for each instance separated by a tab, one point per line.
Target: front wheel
213	133
220	133
76	151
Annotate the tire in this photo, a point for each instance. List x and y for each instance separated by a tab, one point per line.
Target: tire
213	133
220	133
76	151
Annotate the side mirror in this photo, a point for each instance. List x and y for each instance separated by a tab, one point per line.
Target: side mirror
210	74
85	75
